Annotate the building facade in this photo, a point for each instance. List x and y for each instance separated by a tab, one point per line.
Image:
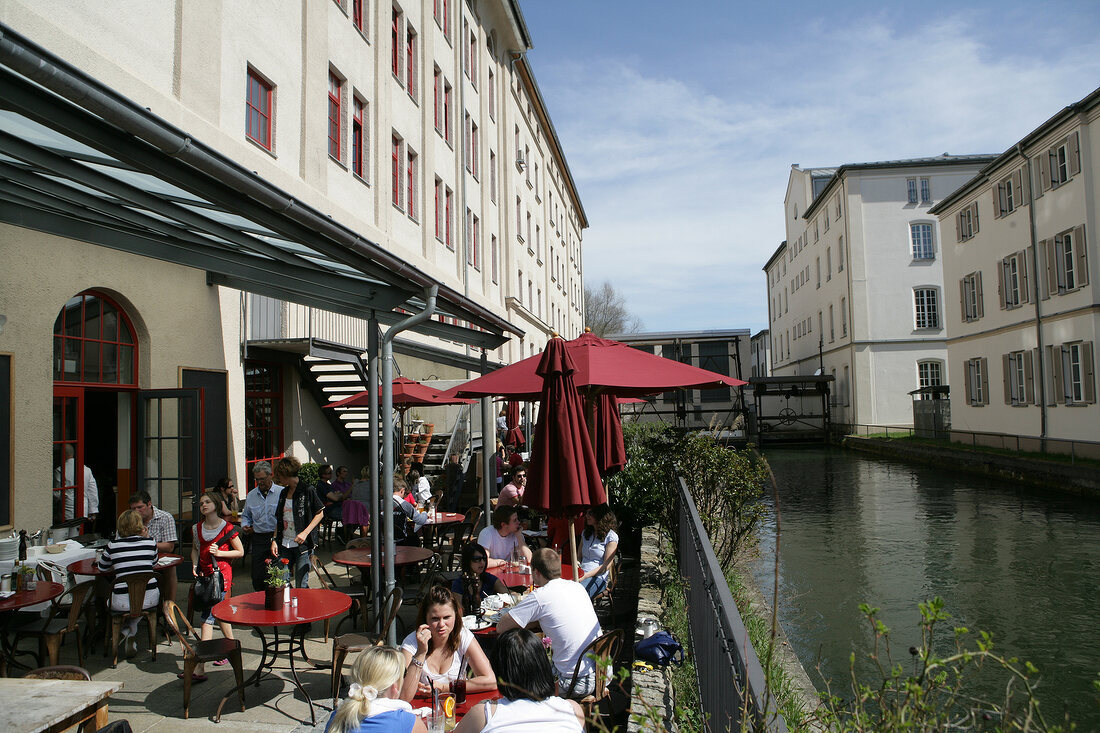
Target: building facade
856	290
1020	260
241	194
760	354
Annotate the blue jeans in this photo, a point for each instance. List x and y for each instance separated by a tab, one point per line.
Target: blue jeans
299	561
594	585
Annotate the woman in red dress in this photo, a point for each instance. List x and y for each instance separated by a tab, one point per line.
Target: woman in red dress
216	540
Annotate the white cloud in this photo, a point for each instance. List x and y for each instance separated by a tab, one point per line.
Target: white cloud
683	177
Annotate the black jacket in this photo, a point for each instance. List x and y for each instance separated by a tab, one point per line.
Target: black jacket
307	505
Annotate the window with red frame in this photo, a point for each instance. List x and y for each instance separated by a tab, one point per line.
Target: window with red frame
395	45
358	138
93	342
396	171
476	243
450	218
335	133
357	14
410	60
263	400
447	19
473	58
446	111
473	149
493	255
492	95
257	125
437	100
439	209
410	184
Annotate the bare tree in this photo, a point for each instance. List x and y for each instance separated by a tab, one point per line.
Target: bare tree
605	311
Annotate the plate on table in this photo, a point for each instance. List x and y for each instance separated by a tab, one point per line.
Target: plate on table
477	624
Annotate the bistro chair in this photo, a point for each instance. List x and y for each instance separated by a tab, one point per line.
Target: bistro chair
358	594
604	600
473	517
136	585
64	618
603	649
354	643
59	672
202	651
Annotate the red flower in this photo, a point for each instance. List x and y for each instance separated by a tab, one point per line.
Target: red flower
284	561
267	561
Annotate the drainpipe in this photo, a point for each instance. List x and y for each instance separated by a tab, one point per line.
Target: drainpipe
1036	296
373	423
385	414
488	428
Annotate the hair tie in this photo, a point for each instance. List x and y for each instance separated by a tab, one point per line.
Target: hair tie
362	692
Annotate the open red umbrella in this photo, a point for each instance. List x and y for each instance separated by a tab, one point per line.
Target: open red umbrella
406	393
610	448
563	477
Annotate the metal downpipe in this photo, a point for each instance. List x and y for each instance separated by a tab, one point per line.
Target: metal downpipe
373	421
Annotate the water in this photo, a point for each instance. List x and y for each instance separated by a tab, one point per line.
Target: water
1021	564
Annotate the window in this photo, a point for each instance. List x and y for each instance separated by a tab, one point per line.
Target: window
925	305
840	255
817	266
925	191
1059	164
838	208
1019	378
530	242
977	381
843	317
966	222
972	304
449	196
527	160
94	342
911	190
359	138
335	90
519	291
921	237
410	185
466	140
816	236
1008	195
929	374
473	150
263	407
473	58
519	219
439	212
828	264
437	99
1066	261
466	48
396	170
395	45
410	61
825	220
492	96
832	333
538	243
447	107
357	15
258	113
475	253
492	176
495	258
1014	286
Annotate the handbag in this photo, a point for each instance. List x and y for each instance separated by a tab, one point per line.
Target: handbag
661	648
210	589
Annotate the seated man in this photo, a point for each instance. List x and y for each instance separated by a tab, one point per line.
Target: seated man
338	491
512	493
161	527
564	611
504	537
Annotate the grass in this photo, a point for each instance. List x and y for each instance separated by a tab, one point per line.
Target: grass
685	684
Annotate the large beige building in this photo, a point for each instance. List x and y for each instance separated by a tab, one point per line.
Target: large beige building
857	288
1023	301
208	209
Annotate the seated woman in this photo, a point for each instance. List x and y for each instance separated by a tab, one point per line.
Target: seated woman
229	499
133	552
436	653
372	704
526	681
475	583
598	544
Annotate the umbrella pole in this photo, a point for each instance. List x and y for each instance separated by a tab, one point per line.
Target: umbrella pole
572	547
488	447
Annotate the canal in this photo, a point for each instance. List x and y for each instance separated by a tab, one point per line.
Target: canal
1016	562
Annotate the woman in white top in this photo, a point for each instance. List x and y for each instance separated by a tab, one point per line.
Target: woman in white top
372	704
598	543
435	652
526	681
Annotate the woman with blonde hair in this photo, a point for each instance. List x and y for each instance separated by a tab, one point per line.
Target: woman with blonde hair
134	551
373	704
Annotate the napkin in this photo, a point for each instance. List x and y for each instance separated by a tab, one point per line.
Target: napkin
6	593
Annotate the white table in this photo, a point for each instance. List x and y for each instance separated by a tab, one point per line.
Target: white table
53	705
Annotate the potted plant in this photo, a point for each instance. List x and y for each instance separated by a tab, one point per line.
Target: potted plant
278	583
25	578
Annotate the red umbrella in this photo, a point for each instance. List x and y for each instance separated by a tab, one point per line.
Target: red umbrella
610	448
515	435
563	477
612	366
406	393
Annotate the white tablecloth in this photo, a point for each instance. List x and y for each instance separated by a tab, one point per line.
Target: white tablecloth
73	551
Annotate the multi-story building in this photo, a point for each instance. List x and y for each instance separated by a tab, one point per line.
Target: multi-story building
856	290
1020	267
229	204
760	354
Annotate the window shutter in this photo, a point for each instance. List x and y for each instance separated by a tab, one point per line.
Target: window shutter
1056	373
979	310
958	227
968	371
1001	288
1073	155
1021	266
1052	274
1006	370
1081	266
998	199
974	214
984	364
1088	372
962	300
1029	257
1044	171
1029	376
1018	187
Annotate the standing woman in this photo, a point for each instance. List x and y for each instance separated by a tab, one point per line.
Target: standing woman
297	513
216	541
435	651
133	552
598	544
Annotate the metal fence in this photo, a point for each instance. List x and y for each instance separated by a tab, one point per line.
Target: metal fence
731	680
1073	449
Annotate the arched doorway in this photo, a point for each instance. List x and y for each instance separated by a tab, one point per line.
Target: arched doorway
95	367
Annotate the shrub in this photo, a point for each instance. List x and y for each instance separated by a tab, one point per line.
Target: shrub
309	473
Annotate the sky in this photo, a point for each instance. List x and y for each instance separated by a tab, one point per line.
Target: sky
680	120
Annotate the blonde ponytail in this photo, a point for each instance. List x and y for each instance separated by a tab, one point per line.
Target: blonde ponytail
376	669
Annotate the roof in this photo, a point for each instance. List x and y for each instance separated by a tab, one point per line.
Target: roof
657	336
778	251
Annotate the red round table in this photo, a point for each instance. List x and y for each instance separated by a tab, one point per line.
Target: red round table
314	604
514	579
45	591
472	699
440	518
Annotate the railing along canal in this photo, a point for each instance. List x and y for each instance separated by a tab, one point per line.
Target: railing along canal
731	679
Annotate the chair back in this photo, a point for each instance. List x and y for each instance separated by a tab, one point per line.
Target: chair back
136	584
601	649
473	516
432	570
60	672
176	618
390	608
74	598
321	573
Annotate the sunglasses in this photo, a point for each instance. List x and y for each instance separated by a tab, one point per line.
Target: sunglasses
521	475
477	558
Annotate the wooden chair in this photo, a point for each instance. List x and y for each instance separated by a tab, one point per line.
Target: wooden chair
473	517
136	585
349	643
65	614
59	672
202	651
603	649
604	600
358	595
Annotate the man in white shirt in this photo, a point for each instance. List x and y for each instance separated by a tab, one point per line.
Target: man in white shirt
91	489
504	537
564	611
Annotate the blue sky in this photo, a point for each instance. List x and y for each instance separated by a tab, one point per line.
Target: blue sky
680	121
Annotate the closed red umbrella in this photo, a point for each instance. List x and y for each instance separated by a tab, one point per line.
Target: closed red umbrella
515	434
563	477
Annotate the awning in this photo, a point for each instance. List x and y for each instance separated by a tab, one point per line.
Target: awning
81	161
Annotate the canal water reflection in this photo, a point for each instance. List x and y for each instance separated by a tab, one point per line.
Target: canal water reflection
1018	563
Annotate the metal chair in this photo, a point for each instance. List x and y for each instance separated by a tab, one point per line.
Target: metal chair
604	600
358	595
136	584
603	650
65	613
202	651
348	643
